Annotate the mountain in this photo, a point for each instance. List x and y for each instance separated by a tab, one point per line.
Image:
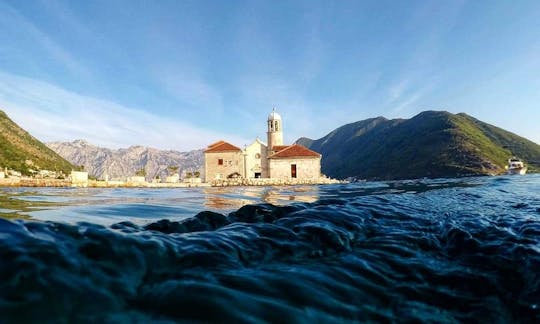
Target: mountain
122	163
431	144
22	152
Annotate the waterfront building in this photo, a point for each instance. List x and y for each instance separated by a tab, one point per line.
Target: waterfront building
274	160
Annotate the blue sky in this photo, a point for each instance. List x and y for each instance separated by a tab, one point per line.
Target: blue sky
182	74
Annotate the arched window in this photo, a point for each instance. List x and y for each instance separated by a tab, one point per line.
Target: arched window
277	126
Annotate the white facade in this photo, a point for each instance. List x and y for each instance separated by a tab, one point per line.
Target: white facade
79	178
172	178
256	162
136	179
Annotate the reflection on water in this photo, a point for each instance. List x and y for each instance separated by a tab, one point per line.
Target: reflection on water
17	204
235	197
109	205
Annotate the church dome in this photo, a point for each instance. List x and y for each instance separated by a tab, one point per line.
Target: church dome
274	115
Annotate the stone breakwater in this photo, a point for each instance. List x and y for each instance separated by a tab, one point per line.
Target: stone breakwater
32	182
129	184
272	182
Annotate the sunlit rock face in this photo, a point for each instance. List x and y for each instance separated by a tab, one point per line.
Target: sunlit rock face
122	163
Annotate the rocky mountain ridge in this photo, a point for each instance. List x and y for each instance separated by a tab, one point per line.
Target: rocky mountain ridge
125	162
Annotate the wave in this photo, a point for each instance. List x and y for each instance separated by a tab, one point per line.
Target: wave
370	259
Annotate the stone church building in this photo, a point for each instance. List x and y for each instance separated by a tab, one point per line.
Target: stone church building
274	160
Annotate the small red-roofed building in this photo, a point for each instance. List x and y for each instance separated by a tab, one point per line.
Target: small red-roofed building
295	161
260	160
223	160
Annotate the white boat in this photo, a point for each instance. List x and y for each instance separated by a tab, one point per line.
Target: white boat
515	166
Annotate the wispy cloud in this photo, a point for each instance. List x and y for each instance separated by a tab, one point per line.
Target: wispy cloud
51	113
408	101
417	76
12	21
192	91
397	90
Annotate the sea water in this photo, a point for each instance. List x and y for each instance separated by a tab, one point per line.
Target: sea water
445	250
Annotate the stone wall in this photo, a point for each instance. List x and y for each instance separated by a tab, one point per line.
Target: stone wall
33	182
122	184
232	162
306	168
273	182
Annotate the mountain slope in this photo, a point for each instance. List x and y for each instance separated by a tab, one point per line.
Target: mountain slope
21	151
123	163
431	144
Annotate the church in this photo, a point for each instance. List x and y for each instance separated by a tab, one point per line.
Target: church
273	160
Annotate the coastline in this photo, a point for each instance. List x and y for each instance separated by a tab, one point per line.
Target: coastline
193	183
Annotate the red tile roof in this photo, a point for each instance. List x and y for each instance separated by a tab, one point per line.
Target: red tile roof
277	148
295	151
221	146
214	144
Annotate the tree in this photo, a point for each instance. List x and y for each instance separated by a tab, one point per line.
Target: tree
189	175
197	174
141	173
234	175
173	169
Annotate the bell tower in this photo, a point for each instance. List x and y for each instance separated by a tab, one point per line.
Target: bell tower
275	130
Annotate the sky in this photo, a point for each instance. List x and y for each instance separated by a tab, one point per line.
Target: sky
183	74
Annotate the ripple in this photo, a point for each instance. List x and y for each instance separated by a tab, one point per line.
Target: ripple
441	251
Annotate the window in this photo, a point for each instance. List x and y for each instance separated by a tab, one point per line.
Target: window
257	155
277	127
220	161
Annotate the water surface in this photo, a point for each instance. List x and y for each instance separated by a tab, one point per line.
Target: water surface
446	250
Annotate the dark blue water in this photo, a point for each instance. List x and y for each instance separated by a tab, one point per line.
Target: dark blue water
463	250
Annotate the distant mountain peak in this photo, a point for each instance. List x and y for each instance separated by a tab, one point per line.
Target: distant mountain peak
81	142
124	162
431	144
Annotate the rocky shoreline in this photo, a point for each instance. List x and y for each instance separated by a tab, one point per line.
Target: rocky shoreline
32	182
272	182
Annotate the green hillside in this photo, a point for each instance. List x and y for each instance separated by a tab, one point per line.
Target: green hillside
18	147
431	144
